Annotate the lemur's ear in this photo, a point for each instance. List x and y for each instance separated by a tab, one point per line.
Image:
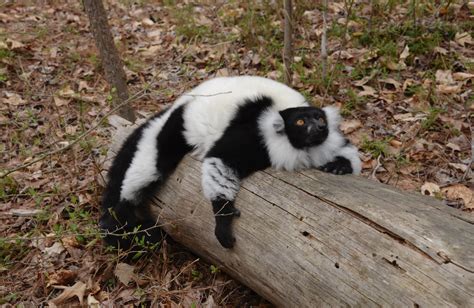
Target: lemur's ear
286	113
279	126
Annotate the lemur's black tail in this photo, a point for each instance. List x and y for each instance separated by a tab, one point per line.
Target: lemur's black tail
128	223
126	226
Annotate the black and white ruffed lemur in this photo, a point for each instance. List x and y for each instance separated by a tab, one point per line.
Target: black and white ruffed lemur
236	125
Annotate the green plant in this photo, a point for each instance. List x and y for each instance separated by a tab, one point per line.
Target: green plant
10	297
430	122
257	24
186	25
197	275
214	269
351	102
12	250
3	77
375	147
8	186
5	54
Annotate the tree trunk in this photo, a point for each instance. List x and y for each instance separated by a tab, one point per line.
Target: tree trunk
311	239
112	64
287	40
324	48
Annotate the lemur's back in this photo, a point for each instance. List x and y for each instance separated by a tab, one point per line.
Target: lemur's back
213	104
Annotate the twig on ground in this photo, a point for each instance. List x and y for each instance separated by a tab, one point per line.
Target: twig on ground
207	95
379	164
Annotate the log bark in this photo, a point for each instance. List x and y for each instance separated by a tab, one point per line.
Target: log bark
312	239
109	55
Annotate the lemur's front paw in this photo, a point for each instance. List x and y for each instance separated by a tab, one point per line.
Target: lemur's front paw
225	237
340	165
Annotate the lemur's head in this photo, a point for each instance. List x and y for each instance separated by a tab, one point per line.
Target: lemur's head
305	126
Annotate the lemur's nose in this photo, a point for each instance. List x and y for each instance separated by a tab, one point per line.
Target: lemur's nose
320	124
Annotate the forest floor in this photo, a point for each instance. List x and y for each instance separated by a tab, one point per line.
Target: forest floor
401	72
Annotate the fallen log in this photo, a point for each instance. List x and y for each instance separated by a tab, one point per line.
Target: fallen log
310	239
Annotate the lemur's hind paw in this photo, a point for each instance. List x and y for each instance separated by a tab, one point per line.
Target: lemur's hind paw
225	237
340	165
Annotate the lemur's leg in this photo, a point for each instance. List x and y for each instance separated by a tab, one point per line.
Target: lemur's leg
221	184
346	161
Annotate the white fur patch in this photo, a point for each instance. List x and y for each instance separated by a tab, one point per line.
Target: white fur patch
219	180
282	154
328	150
215	102
142	171
352	154
333	117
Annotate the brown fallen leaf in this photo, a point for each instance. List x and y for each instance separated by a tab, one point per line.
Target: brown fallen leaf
55	250
368	91
66	92
395	143
60	101
459	191
462	76
460	167
405	53
14	44
446	89
444	77
453	146
92	302
151	51
390	81
223	72
441	50
14	99
124	272
463	39
62	277
430	189
348	126
78	290
400	66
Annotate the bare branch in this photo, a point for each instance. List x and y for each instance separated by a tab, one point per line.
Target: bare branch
287	49
324	51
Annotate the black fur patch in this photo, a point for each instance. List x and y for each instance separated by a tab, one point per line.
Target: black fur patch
340	165
224	212
172	145
241	147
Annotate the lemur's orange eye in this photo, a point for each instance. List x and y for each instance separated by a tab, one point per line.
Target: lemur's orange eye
299	122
